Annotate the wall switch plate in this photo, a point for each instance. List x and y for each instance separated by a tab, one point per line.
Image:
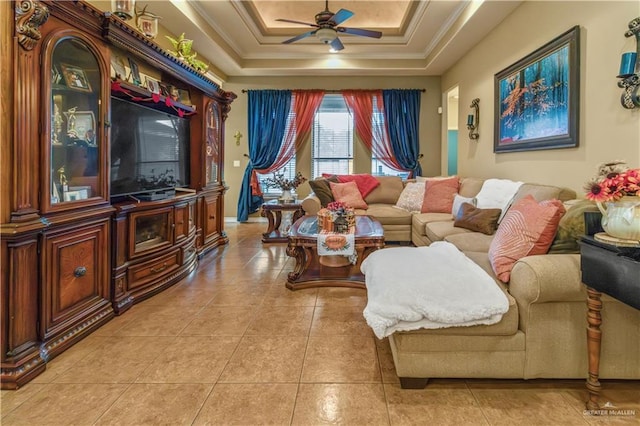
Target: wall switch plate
236	163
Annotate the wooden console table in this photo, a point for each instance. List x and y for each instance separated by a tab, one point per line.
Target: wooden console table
615	271
272	210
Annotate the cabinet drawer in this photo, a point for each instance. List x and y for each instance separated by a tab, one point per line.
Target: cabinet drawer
211	217
143	273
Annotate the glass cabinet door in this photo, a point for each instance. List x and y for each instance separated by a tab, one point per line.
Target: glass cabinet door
74	136
213	143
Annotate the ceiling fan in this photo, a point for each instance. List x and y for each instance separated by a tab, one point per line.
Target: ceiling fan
327	28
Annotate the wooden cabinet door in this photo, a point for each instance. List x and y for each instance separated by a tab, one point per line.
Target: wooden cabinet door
211	218
75	282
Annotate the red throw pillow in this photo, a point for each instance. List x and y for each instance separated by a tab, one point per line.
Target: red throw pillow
349	194
365	182
439	195
527	229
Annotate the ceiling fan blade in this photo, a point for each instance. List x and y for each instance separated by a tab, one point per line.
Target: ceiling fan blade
360	32
341	16
336	44
297	22
299	37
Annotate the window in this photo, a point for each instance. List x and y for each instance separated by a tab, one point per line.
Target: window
332	138
289	171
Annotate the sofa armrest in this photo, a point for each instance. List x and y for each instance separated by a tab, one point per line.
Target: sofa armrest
311	204
547	278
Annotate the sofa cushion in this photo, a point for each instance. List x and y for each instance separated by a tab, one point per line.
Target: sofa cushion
411	197
348	194
439	195
321	188
365	182
437	231
479	220
389	215
572	226
528	228
469	186
419	220
473	241
544	192
387	192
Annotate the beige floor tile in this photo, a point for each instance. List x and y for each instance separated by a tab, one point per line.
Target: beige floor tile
115	324
155	323
11	399
348	404
335	296
385	358
231	295
116	360
341	359
220	321
191	360
346	320
260	359
526	407
69	404
249	404
432	406
281	321
280	295
184	295
70	358
157	404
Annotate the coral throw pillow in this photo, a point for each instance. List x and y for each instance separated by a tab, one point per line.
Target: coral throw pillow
365	182
411	197
439	195
348	193
527	229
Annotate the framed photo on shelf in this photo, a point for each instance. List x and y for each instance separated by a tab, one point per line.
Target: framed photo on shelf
164	89
81	125
83	191
184	96
152	85
135	72
537	99
75	195
119	69
75	78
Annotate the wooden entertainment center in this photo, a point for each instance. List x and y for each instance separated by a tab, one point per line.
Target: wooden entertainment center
73	254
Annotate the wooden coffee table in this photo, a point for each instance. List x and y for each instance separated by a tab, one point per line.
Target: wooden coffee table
312	270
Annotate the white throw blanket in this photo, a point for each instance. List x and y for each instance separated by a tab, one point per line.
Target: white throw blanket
409	288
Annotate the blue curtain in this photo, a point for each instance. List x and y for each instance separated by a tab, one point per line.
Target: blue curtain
402	116
268	113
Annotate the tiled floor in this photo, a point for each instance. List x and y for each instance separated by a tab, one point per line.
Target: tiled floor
231	345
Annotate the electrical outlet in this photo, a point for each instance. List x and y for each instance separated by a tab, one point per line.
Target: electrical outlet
236	163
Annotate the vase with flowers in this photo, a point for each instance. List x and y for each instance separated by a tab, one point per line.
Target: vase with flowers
616	191
285	184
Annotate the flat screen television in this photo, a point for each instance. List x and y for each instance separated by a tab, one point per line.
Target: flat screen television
149	150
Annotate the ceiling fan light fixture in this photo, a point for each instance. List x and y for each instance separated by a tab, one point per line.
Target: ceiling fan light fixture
326	35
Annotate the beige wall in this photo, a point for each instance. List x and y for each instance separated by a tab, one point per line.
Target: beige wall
607	131
237	120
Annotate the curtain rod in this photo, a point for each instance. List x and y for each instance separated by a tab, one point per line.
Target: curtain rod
339	91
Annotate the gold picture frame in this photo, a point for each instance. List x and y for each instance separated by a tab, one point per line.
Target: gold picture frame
75	78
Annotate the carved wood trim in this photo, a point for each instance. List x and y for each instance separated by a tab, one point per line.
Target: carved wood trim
30	16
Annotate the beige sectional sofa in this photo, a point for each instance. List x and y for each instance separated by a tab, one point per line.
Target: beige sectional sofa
543	335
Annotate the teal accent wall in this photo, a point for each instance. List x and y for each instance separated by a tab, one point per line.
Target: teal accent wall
452	152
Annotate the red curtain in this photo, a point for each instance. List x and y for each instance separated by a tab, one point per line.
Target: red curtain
305	105
367	109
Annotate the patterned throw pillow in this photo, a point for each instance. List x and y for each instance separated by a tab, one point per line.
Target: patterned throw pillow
458	200
527	229
439	194
349	194
411	197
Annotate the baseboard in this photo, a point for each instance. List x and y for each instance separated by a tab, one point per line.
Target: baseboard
229	219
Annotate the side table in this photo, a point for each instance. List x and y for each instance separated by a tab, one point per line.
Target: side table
272	210
613	270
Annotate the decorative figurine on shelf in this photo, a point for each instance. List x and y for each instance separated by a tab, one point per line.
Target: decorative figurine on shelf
147	22
64	183
71	122
57	125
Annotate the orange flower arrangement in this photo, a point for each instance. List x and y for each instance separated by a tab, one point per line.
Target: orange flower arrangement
614	181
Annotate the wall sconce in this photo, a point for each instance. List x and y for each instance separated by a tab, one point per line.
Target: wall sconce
147	23
124	9
473	120
237	135
630	70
